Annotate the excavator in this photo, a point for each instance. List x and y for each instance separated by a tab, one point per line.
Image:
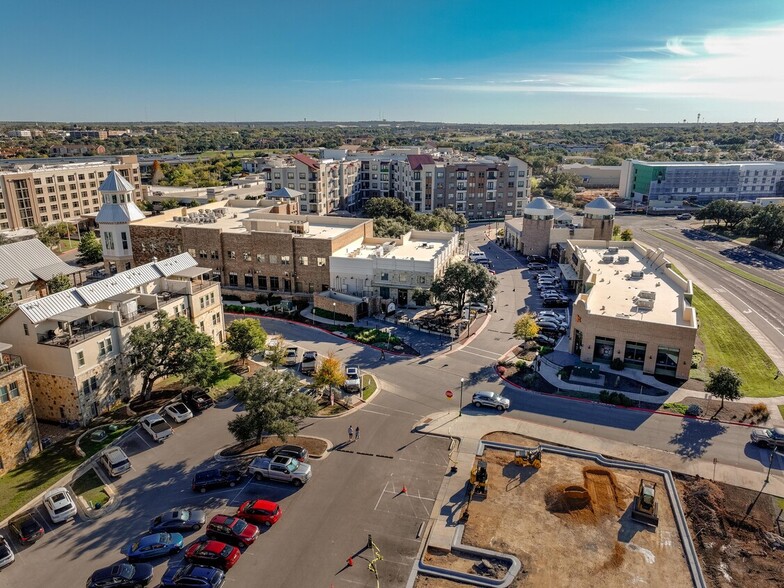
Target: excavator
478	481
646	508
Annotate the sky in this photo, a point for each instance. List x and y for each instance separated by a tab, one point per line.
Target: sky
460	61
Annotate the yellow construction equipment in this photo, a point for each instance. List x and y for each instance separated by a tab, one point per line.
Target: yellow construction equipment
478	479
530	456
646	508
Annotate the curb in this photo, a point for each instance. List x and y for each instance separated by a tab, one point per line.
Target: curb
111	505
223	459
356	407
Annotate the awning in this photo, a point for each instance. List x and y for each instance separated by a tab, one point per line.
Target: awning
568	272
192	272
47	272
74	314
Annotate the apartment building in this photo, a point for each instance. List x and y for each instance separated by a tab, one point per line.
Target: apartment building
19	438
326	184
632	307
662	185
27	266
40	191
73	341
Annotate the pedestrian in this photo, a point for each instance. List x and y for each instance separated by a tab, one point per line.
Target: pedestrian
383	355
356	433
350	433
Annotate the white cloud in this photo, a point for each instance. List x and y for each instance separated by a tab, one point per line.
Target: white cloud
677	47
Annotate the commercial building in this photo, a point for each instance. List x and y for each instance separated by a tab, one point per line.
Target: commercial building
73	342
27	266
594	176
19	438
663	185
41	191
632	307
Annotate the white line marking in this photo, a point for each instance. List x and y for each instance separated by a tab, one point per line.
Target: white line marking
138	434
381	495
477	354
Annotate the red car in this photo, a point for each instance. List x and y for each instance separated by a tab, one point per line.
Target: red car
259	512
212	553
232	530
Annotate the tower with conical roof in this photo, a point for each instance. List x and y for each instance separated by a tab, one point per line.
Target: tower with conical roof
114	219
538	220
600	216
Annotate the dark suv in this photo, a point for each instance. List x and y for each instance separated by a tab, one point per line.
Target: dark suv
295	451
218	478
197	400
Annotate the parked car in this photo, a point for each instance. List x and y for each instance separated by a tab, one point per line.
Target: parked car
537	267
115	462
152	546
6	553
309	362
209	552
549	325
558	316
217	478
123	575
259	512
490	399
156	427
295	451
232	530
562	302
26	528
179	519
179	412
537	259
291	357
189	574
684	216
281	469
476	255
197	400
478	306
353	381
768	437
59	504
545	340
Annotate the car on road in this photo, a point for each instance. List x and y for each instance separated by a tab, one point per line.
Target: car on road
353	381
152	546
197	399
115	462
190	574
123	575
768	437
156	427
259	512
232	530
545	340
295	451
537	267
178	519
309	362
281	469
216	478
478	306
178	412
209	552
291	356
684	216
6	553
490	399
537	259
476	255
59	504
26	528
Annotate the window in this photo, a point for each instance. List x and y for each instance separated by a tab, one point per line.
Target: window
603	349
13	389
273	259
285	260
303	260
384	276
4	394
80	358
249	280
101	348
108	240
246	256
232	279
261	258
232	255
124	238
203	253
212	299
667	361
26	330
274	283
634	355
262	281
321	261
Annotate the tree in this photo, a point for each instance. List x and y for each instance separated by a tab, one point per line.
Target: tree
525	327
451	219
47	234
90	250
616	232
6	305
173	347
627	235
275	351
725	384
564	193
58	283
273	406
245	338
388	207
390	227
330	374
768	222
462	280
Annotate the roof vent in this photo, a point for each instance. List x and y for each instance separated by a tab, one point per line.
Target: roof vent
645	303
612	250
623	259
608	258
636	275
647	295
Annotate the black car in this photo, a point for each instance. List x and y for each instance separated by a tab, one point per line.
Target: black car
26	528
179	519
555	302
537	259
218	478
197	399
193	575
122	575
295	451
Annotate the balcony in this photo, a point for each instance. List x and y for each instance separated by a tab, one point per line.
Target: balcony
9	363
77	333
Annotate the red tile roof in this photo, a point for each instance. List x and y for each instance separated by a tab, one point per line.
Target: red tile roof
417	161
307	160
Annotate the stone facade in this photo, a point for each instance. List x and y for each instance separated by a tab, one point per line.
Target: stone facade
602	226
55	397
339	303
18	430
535	239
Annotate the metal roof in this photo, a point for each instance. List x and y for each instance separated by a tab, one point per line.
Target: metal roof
284	193
47	272
172	265
21	259
114	182
44	308
600	203
74	314
119	213
539	203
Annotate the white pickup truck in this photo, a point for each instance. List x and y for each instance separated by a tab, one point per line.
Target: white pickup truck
158	428
281	469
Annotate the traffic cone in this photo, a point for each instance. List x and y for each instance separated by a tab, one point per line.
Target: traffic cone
350	561
404	491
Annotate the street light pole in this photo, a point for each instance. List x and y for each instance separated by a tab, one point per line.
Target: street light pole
460	409
333	313
770	465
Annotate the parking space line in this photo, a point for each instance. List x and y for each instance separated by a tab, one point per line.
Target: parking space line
381	495
138	434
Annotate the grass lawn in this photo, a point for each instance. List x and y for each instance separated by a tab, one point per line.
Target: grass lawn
729	344
92	447
90	487
781	410
68	244
368	386
237	153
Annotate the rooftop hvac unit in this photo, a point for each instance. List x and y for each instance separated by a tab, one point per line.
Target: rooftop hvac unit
612	250
636	275
645	303
623	259
647	295
608	258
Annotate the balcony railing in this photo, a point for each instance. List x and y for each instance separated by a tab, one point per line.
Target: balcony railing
9	362
77	335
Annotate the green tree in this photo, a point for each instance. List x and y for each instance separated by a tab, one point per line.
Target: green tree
768	222
245	337
724	383
47	234
174	347
388	207
390	227
616	232
330	374
627	235
273	406
90	250
275	351
58	283
6	305
525	327
463	281
564	193
451	219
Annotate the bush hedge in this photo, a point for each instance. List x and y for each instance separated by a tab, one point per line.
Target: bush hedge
616	398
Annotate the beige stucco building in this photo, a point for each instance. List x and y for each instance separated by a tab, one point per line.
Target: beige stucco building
631	306
73	341
19	439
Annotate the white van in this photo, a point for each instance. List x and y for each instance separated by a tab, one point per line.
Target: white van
477	256
115	462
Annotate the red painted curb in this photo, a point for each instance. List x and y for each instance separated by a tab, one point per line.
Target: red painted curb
648	410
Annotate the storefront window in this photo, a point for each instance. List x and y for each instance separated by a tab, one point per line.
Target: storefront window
603	349
667	361
634	356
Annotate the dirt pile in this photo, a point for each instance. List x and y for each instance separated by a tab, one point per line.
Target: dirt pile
705	508
604	491
570	502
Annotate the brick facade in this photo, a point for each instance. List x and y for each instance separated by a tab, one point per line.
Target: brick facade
18	429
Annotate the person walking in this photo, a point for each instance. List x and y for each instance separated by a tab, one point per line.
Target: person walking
356	433
350	433
383	355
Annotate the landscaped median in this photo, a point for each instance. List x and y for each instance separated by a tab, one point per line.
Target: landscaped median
316	447
90	488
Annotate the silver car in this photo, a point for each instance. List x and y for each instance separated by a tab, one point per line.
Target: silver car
768	437
491	400
6	553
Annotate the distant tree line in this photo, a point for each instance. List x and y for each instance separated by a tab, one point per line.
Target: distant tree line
393	218
765	223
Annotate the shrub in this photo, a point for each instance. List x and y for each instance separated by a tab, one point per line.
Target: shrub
678	407
231	297
544	350
327	314
760	410
501	370
529	380
260	298
696	359
615	398
617	364
520	364
694	410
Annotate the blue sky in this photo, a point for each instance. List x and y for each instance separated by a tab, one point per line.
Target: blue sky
429	60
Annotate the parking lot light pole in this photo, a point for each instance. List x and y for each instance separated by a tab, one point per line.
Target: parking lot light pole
770	465
460	409
333	313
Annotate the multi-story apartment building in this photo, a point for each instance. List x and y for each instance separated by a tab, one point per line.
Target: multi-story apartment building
43	191
73	341
27	266
668	184
19	438
478	188
326	184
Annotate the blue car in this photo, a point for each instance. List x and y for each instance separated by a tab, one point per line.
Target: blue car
155	545
193	575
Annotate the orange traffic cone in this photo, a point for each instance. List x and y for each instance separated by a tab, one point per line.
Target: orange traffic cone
350	561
